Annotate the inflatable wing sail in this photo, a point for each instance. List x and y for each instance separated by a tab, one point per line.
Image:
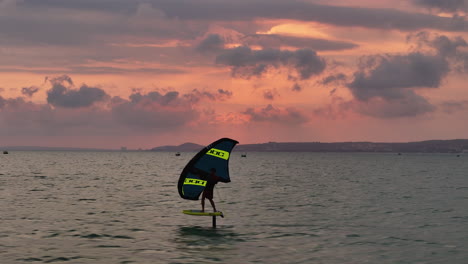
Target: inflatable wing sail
216	155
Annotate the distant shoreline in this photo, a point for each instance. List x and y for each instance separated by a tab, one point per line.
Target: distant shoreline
428	146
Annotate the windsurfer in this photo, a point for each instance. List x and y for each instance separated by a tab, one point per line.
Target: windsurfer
212	179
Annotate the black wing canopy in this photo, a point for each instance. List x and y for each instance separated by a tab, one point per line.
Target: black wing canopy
216	155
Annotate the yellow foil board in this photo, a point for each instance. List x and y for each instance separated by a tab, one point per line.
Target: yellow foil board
199	212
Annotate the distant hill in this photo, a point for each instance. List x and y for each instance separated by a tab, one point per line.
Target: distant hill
183	147
429	146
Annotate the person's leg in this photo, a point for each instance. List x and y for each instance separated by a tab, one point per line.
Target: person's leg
213	204
203	202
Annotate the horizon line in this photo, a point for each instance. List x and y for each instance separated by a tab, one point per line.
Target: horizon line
141	149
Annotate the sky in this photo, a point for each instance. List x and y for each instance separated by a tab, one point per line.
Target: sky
146	73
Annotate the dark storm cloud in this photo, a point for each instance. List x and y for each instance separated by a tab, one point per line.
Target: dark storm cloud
29	91
389	76
246	63
272	114
211	43
275	41
65	96
445	5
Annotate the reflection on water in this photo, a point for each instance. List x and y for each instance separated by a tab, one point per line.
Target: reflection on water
207	244
198	235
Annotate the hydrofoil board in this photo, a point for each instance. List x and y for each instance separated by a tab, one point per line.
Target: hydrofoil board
199	212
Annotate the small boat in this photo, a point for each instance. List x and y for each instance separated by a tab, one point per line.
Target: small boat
177	154
244	155
5	152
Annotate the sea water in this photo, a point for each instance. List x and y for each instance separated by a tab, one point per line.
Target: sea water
123	207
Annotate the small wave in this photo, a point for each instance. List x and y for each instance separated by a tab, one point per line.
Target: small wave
48	259
108	246
97	236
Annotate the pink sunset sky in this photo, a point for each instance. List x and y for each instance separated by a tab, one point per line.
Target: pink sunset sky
145	73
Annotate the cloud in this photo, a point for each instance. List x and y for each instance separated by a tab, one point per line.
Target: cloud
390	76
445	5
195	95
443	45
225	94
140	113
381	18
453	49
296	87
385	86
29	91
212	43
246	63
7	6
409	105
453	106
269	95
335	78
276	41
93	26
288	116
62	96
153	111
338	108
